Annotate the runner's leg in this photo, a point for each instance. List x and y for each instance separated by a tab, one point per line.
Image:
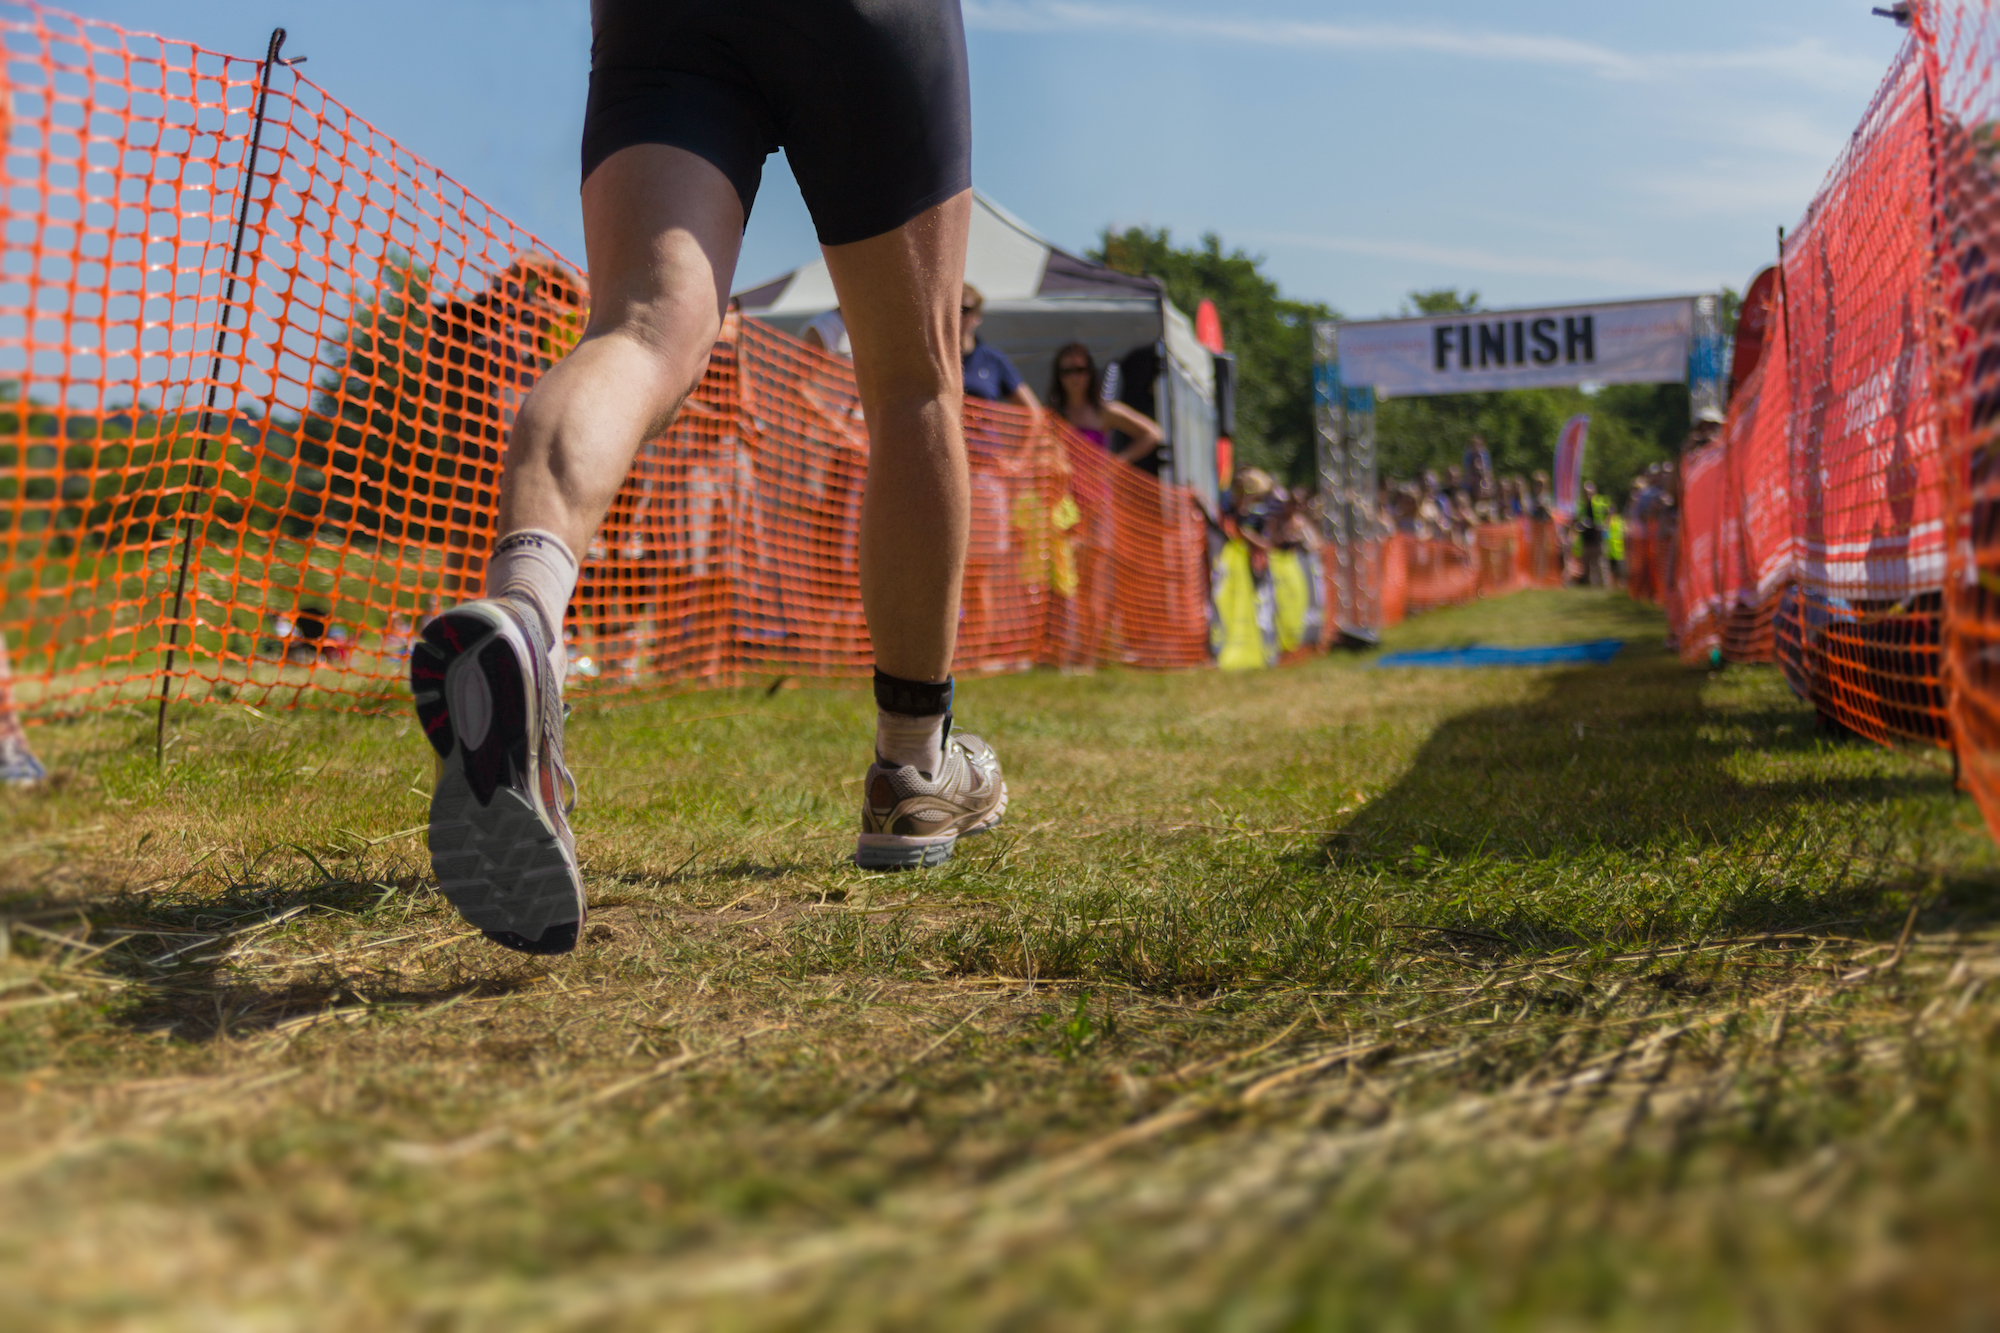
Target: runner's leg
662	228
899	293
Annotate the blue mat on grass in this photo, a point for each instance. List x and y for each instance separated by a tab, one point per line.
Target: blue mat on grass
1480	655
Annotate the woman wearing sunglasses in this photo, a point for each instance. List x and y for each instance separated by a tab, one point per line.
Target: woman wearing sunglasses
1077	390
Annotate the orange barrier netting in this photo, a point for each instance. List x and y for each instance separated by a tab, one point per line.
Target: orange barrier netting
254	476
1858	635
1645	555
1416	574
1812	532
1965	43
1392	559
1735	560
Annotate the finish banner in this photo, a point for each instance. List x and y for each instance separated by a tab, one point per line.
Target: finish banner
1631	342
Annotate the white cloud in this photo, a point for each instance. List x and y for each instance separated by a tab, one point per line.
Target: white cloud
1806	61
1758	165
1782	131
1736	191
1611	269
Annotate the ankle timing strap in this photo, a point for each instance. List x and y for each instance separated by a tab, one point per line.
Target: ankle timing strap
912	698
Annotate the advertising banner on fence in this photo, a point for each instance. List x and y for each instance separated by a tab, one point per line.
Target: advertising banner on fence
1633	342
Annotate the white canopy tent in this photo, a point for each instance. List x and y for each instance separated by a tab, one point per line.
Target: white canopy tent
1039	297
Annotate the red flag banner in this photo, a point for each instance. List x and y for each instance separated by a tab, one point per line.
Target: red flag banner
1569	464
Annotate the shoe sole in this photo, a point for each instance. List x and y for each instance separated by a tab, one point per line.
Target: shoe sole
890	851
28	773
497	860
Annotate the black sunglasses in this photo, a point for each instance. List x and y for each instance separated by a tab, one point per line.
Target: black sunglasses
1076	370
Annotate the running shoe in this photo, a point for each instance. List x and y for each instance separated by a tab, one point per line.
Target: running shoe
910	818
501	845
18	765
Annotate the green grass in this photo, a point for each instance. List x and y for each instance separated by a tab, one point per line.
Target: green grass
1332	997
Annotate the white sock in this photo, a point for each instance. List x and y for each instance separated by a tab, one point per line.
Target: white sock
535	567
916	741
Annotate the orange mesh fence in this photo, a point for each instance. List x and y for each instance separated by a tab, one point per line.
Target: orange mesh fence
1157	565
245	471
1393	555
252	471
1543	553
1759	555
1639	565
1966	41
1694	605
1859	634
123	156
1736	560
1442	573
1496	547
1521	553
731	552
1813	531
1415	574
1868	562
1645	560
1848	601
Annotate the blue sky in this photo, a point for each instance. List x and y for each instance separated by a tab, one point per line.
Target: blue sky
1540	150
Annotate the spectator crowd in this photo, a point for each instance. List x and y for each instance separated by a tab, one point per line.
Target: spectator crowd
1453	504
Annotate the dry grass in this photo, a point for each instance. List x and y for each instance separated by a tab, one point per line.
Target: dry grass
1326	998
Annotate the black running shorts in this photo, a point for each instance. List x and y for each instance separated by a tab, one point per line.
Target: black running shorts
868	98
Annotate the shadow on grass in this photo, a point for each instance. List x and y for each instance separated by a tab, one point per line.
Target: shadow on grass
189	958
1609	778
1606	758
189	954
201	1008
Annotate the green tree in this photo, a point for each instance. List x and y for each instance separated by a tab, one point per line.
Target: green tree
1631	425
1440	301
1269	335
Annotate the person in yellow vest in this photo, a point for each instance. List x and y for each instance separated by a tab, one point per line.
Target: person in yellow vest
1614	542
1244	635
1591	517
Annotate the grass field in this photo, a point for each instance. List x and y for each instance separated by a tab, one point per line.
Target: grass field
1324	998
